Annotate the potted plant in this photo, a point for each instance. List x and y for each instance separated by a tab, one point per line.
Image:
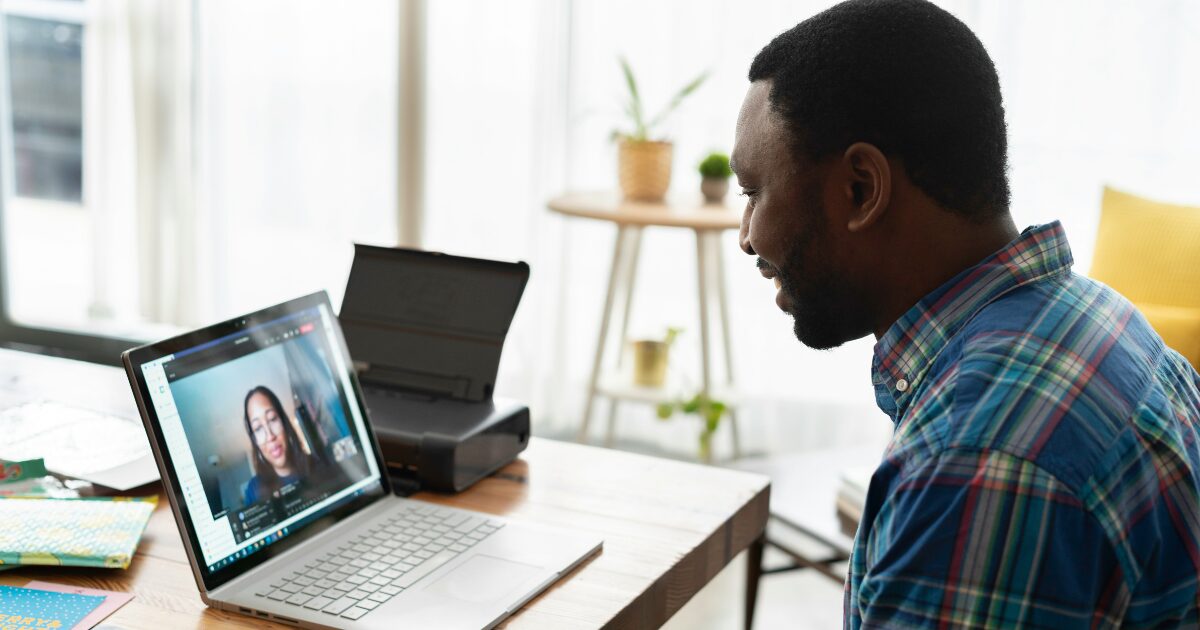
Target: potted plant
644	160
714	174
708	409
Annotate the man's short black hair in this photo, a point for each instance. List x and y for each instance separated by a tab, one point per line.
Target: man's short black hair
905	76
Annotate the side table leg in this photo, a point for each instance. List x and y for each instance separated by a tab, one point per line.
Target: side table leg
614	277
629	279
734	435
610	431
635	250
702	270
723	306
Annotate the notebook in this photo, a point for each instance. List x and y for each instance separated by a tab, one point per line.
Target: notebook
94	532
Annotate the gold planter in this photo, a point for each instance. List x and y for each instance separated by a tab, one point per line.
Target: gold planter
650	362
644	168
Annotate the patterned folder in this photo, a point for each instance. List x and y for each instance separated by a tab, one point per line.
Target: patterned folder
26	608
95	532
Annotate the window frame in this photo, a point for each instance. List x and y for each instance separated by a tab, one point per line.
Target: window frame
15	335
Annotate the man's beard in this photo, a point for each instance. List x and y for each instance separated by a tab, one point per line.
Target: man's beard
815	313
822	307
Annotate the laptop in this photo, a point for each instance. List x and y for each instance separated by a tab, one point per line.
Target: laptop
282	498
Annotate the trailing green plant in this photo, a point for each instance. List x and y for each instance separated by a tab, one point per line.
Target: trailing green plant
709	410
641	126
715	165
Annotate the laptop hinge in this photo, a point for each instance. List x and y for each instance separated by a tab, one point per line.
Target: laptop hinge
405	482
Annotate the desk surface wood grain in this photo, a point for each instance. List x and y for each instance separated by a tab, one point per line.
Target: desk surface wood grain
668	528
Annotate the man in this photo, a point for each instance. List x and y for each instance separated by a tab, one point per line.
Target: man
1044	466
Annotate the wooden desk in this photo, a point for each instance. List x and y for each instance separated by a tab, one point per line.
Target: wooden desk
668	528
707	222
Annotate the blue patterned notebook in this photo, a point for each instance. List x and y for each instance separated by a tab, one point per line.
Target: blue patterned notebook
81	532
30	608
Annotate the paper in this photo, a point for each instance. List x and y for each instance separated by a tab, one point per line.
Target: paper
76	442
112	601
76	532
26	609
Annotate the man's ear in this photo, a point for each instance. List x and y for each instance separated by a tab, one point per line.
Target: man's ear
869	186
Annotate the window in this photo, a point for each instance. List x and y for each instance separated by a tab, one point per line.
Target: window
49	59
46	78
173	163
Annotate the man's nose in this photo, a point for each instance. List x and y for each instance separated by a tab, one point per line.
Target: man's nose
744	232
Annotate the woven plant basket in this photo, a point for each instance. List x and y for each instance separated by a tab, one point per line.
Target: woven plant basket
644	168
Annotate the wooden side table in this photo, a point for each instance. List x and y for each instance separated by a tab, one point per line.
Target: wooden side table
707	222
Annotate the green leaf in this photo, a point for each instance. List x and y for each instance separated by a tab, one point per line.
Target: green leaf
635	101
712	421
665	410
715	165
674	104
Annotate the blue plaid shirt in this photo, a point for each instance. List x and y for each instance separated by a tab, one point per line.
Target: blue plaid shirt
1045	467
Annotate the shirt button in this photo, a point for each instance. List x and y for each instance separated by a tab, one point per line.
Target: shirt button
901	385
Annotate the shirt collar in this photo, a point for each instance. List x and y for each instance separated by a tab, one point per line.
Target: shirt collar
911	344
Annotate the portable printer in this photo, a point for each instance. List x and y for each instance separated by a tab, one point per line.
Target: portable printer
426	331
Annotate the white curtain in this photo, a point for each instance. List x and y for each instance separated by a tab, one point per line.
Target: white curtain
522	97
169	229
296	152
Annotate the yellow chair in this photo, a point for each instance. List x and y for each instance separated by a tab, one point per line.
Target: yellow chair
1150	252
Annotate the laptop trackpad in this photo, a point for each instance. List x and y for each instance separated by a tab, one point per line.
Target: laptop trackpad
486	579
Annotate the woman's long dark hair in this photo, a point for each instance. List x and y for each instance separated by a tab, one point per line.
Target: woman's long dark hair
267	478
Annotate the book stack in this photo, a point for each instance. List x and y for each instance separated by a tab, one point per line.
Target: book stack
37	528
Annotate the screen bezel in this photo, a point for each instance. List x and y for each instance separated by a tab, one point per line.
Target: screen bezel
133	361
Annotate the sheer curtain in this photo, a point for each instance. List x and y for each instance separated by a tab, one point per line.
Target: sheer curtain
296	150
522	98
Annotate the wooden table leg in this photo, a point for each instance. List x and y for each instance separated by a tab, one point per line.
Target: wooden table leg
614	277
754	556
629	278
723	310
702	271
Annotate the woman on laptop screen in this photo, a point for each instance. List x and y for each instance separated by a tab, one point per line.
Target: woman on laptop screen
278	458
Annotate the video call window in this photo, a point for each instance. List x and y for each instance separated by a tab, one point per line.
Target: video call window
269	430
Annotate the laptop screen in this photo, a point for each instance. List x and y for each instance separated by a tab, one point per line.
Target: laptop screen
263	429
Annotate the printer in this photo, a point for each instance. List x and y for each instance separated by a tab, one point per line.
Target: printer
426	330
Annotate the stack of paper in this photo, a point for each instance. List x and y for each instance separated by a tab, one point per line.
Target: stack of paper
94	532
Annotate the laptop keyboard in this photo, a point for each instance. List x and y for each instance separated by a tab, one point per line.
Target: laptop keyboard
364	573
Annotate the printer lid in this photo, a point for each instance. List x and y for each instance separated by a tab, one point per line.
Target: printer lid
430	322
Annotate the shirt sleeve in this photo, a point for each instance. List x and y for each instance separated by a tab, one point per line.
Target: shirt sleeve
974	539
